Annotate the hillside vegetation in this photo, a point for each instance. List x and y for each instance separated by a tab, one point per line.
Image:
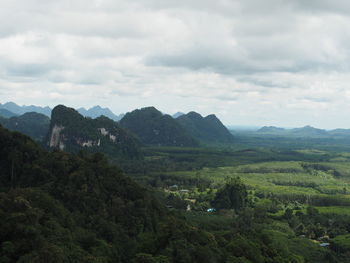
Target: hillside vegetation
154	128
208	129
33	124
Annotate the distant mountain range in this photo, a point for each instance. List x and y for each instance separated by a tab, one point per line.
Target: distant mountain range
98	111
19	110
340	132
271	129
11	109
177	114
148	124
7	114
307	131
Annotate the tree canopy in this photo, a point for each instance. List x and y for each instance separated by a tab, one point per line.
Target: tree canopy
232	196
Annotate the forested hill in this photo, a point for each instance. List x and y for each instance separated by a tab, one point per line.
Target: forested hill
33	124
57	207
154	128
208	129
72	132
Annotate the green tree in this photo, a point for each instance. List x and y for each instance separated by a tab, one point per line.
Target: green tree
233	195
15	159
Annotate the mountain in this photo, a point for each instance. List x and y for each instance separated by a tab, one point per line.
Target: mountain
6	113
208	129
93	112
33	124
308	131
340	132
98	111
152	127
271	129
19	110
72	132
235	128
177	114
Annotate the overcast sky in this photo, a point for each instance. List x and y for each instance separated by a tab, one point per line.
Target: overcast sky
251	62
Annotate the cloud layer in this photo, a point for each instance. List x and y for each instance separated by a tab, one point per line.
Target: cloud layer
251	62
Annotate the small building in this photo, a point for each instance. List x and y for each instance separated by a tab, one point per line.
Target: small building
324	244
211	210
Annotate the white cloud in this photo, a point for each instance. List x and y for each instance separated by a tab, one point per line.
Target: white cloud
250	62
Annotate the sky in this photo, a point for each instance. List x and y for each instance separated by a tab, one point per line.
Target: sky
252	62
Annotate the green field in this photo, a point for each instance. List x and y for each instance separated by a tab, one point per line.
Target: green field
294	179
336	210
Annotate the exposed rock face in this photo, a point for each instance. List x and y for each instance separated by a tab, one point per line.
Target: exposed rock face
104	132
72	132
61	146
88	143
55	138
113	138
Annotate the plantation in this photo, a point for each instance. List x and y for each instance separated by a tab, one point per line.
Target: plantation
295	181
